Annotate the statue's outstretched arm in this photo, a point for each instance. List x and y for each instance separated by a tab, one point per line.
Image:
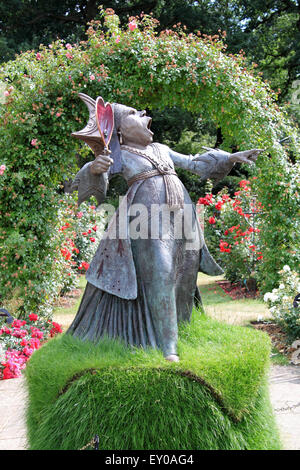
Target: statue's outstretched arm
214	164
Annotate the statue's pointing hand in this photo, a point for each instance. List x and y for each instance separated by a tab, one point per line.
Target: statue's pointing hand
248	156
101	163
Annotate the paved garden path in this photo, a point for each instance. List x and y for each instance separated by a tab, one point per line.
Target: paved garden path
285	398
12	414
284	391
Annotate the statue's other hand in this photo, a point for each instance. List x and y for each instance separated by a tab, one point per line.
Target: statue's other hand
248	156
101	164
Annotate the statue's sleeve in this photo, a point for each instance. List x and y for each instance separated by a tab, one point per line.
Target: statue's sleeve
87	184
214	164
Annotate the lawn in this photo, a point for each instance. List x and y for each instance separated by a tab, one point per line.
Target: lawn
64	315
220	306
217	305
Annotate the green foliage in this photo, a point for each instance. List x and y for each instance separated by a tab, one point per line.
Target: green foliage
232	230
134	399
267	32
139	68
280	302
290	323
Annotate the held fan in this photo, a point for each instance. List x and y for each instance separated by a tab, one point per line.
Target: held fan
105	120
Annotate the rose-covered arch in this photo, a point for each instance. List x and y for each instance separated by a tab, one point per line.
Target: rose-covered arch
141	68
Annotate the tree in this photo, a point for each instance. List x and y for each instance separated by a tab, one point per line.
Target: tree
269	32
41	22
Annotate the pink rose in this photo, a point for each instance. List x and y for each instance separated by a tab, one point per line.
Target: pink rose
2	169
58	114
35	343
69	56
36	333
34	142
132	25
6	93
38	56
17	324
69	47
28	351
92	77
117	39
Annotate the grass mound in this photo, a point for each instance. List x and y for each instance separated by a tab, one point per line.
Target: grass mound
214	398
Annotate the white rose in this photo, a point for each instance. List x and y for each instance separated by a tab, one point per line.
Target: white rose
273	297
286	268
281	286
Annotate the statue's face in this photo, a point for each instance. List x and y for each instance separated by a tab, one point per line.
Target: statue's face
135	127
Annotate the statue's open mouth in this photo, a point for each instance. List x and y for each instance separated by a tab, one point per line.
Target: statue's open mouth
149	125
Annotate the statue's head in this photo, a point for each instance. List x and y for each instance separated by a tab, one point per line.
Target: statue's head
132	126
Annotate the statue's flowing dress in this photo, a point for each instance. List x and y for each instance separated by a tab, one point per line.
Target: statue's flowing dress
138	290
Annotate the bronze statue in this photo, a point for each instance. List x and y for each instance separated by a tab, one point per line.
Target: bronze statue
140	288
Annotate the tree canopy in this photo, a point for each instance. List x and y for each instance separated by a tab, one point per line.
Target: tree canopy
268	31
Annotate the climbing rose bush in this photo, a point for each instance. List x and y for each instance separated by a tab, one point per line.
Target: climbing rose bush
75	239
232	231
19	341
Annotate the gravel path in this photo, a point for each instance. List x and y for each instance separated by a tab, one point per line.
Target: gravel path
284	393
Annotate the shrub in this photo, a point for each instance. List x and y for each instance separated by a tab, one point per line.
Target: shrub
280	302
232	231
75	239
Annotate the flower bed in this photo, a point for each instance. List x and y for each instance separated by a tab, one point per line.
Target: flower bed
19	341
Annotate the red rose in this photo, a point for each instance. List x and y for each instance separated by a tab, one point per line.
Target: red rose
33	317
212	220
8	374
